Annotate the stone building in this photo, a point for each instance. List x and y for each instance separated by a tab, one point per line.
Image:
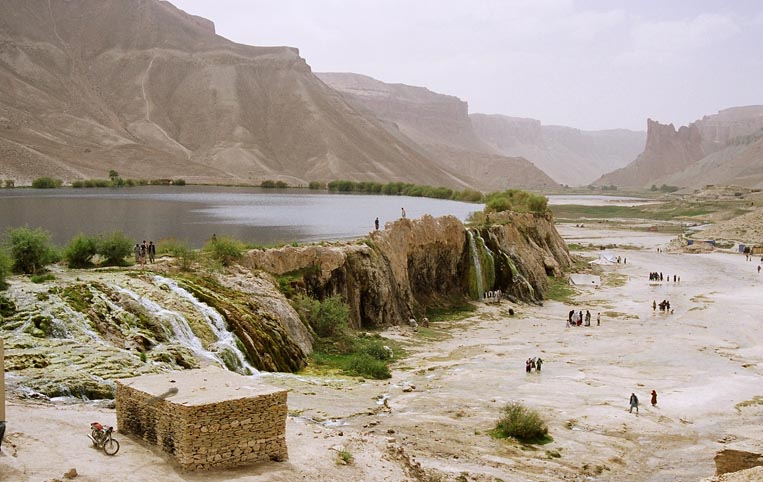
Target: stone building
207	418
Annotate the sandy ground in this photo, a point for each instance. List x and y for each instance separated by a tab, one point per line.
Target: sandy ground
444	398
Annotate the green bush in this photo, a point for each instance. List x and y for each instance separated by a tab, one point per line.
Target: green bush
80	251
5	268
521	423
9	184
225	250
41	278
365	365
114	247
377	350
46	183
331	318
317	185
30	249
178	182
269	184
185	255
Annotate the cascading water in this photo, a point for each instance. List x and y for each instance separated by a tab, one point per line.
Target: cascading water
226	340
225	345
477	264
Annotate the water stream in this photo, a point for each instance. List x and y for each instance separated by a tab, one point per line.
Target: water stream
477	264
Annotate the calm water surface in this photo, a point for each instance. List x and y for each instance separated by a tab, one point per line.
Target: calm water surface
193	214
597	200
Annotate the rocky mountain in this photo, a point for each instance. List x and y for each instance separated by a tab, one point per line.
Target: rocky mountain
569	155
725	148
441	126
146	89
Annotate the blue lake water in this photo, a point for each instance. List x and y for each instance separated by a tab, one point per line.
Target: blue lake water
195	213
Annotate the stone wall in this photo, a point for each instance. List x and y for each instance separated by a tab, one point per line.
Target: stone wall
205	419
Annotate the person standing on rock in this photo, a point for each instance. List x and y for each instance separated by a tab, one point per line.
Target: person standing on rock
654	398
538	363
598	319
403	212
376	224
633	403
151	252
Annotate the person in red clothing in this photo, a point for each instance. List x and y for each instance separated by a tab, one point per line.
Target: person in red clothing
654	398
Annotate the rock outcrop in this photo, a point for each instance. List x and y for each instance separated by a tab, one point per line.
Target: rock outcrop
143	88
725	148
75	335
570	156
440	125
414	264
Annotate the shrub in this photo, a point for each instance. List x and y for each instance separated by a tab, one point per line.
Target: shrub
46	183
281	185
78	184
317	185
367	366
5	268
30	249
225	250
331	318
41	278
521	423
80	251
9	183
179	250
114	247
178	182
269	184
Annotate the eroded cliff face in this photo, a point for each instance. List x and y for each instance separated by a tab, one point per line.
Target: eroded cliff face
708	151
414	264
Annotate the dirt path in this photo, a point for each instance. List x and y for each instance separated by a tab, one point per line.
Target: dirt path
702	360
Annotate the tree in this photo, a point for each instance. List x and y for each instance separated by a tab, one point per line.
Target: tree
114	247
30	249
80	251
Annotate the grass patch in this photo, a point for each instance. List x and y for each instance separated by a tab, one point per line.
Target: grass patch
620	315
344	457
41	278
616	280
559	289
357	355
456	312
756	401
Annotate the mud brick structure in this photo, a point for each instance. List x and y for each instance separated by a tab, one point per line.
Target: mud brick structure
205	419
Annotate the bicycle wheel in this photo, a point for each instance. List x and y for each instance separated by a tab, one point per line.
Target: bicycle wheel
111	447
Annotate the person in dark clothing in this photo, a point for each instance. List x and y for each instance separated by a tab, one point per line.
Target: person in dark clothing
376	224
634	403
654	398
151	252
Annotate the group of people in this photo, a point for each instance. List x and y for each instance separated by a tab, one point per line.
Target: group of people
534	363
634	401
664	306
144	251
493	296
655	276
578	318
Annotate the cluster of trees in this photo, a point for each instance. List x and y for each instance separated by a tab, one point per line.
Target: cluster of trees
270	184
403	189
664	188
114	180
516	200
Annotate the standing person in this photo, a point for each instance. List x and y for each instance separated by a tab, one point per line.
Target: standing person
136	252
376	224
151	252
587	318
758	269
598	319
654	398
143	252
634	403
654	305
403	212
569	317
527	366
538	363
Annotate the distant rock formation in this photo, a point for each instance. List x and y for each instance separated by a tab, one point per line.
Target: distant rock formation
441	126
725	148
150	91
571	156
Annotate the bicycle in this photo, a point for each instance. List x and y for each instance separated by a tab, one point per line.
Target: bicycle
101	437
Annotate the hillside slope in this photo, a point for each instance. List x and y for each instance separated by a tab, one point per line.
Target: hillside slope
144	88
440	124
569	155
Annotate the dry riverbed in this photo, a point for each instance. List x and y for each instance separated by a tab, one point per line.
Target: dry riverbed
431	421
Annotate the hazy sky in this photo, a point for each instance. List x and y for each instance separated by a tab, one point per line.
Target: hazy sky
591	64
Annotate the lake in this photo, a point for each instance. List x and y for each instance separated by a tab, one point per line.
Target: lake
195	213
598	200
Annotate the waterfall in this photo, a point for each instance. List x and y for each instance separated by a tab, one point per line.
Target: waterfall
226	340
477	264
219	351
